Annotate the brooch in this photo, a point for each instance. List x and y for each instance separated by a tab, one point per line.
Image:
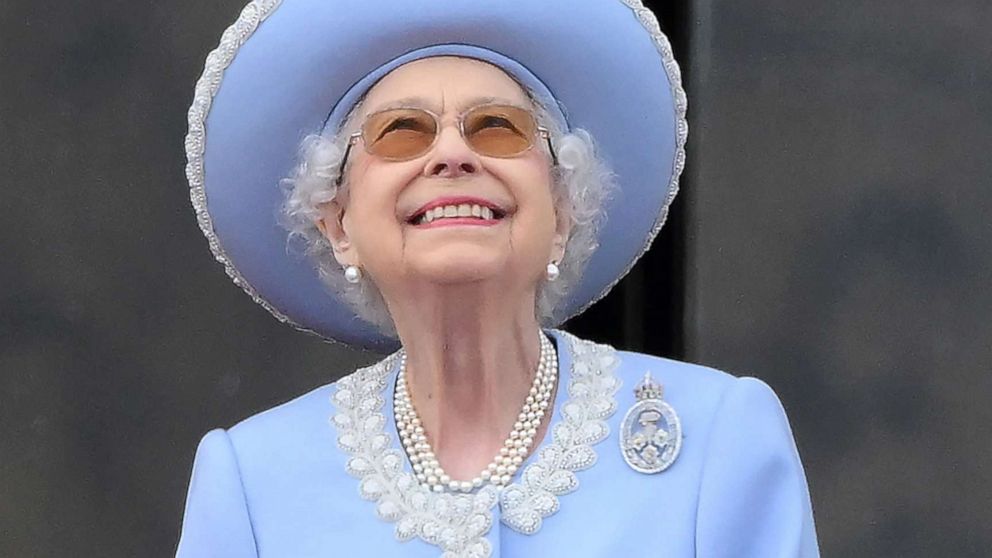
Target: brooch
651	434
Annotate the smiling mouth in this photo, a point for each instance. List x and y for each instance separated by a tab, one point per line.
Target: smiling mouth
463	213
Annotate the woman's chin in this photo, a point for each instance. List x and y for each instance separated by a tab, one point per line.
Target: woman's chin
460	276
466	270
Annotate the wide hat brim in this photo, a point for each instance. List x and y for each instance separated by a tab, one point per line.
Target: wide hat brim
284	69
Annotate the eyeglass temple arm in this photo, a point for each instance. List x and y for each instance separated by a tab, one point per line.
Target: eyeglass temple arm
551	148
352	140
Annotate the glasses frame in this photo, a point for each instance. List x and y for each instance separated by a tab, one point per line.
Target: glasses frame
542	132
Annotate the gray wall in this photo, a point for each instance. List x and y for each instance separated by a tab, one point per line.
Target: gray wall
832	238
121	340
838	245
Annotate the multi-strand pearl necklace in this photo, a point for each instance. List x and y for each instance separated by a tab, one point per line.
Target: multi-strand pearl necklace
516	447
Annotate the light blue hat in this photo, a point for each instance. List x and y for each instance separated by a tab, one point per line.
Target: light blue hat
291	68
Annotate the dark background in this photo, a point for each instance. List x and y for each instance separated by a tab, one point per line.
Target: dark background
832	237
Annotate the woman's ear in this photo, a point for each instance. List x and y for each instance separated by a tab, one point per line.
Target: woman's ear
331	225
563	227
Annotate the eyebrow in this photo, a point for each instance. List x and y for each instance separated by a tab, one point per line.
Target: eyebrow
423	102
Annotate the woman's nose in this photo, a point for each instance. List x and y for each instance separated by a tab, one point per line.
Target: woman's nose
451	156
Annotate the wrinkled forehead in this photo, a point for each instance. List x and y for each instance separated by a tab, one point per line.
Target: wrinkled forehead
445	84
505	78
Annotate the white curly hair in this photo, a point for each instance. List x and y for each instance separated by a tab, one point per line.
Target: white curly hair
581	184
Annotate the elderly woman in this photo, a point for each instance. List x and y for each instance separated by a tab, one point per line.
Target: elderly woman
452	198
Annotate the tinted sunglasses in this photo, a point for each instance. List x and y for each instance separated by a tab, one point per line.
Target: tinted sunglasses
492	130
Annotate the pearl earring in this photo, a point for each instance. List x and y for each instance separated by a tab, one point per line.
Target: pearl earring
553	271
352	274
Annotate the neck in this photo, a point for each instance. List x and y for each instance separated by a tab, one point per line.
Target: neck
471	360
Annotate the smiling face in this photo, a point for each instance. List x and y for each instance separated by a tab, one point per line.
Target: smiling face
449	215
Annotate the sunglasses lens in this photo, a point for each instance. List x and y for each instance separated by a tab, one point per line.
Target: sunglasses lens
490	130
399	133
499	131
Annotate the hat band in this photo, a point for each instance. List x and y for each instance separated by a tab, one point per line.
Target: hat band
517	70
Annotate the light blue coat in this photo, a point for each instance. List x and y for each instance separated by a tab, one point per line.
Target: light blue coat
276	484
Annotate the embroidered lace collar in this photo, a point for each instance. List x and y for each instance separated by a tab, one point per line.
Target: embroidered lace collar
458	523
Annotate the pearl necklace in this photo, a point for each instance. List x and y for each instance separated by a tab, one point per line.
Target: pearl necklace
516	447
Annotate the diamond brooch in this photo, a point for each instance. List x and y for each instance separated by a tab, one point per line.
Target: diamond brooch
651	434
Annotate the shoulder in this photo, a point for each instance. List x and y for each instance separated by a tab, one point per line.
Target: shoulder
287	421
698	392
279	453
695	386
310	412
722	415
674	373
707	401
293	438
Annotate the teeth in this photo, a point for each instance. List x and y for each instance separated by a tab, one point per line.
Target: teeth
463	210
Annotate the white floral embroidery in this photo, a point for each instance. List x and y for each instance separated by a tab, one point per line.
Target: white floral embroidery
458	523
592	400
